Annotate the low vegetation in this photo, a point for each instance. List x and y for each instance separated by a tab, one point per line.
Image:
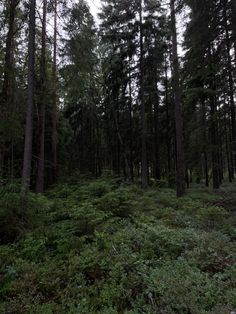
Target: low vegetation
106	247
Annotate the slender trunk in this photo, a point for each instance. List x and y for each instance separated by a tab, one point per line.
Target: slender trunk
7	93
187	179
8	64
168	142
213	126
157	168
131	162
214	144
233	22
221	163
144	162
231	84
30	99
122	146
206	169
180	182
190	175
40	170
55	106
227	148
118	158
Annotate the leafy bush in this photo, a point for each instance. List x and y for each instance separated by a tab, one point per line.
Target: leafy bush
98	188
118	202
211	216
86	217
214	252
17	211
179	287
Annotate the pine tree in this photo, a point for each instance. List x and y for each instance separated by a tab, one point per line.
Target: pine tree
144	161
30	98
43	82
180	182
55	96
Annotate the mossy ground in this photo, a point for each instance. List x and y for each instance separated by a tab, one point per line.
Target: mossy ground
98	247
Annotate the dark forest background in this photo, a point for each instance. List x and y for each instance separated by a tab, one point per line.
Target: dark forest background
121	97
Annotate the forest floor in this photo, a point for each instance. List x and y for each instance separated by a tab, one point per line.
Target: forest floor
98	247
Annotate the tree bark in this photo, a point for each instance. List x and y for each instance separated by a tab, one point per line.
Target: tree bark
144	162
168	140
231	83
131	162
205	154
30	99
227	148
55	106
206	169
180	173
214	144
8	64
7	93
41	161
157	167
233	22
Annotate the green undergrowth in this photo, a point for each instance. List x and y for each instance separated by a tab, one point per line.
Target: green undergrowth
105	247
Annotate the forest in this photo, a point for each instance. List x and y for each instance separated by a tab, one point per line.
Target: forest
118	157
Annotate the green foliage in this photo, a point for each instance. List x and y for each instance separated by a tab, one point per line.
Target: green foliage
96	189
17	210
117	202
86	217
179	287
211	216
100	248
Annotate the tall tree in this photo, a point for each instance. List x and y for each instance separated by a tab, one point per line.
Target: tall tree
229	70
7	114
144	160
180	172
55	96
81	81
42	103
30	98
233	23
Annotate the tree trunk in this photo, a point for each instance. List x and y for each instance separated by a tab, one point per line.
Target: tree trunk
121	145
214	145
7	94
187	179
41	161
8	64
213	125
221	163
131	162
55	107
168	140
206	169
233	22
231	84
227	149
30	99
180	173
157	168
144	162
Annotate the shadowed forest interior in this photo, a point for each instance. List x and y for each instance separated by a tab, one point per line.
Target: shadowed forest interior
117	156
